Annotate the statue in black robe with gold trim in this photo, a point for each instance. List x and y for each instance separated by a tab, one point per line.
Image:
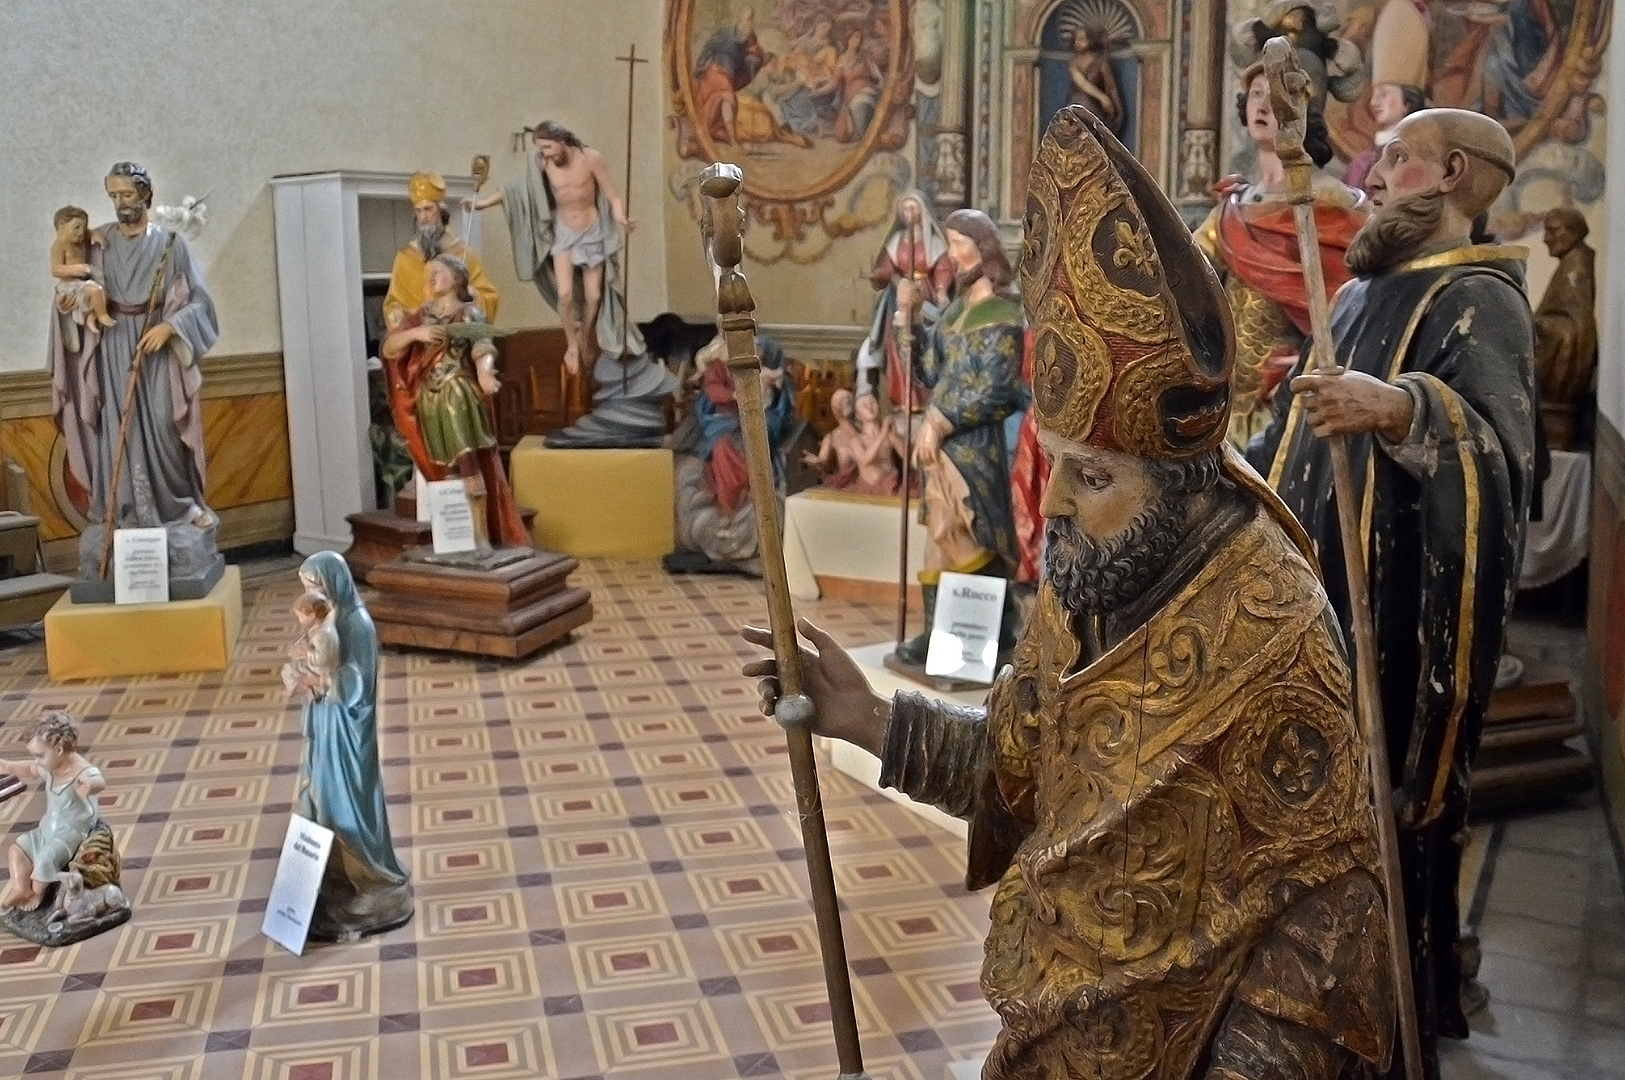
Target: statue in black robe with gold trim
1436	336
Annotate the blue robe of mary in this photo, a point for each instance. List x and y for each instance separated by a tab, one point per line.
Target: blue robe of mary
364	889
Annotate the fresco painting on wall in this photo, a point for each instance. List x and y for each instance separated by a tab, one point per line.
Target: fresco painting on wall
803	93
1531	64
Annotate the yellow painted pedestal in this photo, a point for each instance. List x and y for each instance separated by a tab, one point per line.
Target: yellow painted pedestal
614	504
94	641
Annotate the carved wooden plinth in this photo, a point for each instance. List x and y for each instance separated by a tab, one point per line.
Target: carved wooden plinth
1524	756
381	536
515	605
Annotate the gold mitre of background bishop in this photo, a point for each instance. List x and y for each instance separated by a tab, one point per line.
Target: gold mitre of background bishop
424	187
1132	338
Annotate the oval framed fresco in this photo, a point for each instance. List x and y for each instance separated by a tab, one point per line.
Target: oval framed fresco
1528	63
800	93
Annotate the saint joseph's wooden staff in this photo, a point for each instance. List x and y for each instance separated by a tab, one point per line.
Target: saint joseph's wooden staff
722	225
1289	96
631	60
155	304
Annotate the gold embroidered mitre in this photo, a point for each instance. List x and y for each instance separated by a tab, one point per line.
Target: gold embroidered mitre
424	187
1133	341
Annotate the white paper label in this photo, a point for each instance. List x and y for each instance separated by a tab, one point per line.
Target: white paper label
451	519
140	566
420	487
965	627
305	849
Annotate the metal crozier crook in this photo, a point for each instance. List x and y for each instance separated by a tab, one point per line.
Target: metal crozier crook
722	225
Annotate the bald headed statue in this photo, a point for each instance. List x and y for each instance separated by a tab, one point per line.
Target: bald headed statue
1436	341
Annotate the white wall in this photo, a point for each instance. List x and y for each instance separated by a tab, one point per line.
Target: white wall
220	96
1611	301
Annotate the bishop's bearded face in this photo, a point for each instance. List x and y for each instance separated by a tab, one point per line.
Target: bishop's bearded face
1113	522
1095	576
430	238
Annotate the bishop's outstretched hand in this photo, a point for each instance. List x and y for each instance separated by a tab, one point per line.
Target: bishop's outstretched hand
844	705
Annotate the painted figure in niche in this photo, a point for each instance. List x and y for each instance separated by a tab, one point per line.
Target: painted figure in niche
860	454
915	250
716	523
441	368
313	659
969	359
1399	77
78	294
1566	328
1094	84
365	889
1220	785
70	850
568	225
409	276
1437	340
1252	239
1086	60
161	309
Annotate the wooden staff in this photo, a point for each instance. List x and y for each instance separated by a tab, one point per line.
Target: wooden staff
722	225
155	303
905	353
1289	96
631	60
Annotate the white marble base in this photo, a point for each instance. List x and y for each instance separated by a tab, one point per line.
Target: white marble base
864	766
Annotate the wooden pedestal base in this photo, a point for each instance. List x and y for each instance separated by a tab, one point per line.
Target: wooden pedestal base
381	536
1524	755
516	604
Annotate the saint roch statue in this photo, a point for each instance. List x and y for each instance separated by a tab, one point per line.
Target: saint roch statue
145	428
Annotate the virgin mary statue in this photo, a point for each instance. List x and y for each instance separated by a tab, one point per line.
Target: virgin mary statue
365	889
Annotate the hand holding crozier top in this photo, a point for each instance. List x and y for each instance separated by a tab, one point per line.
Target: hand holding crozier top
844	705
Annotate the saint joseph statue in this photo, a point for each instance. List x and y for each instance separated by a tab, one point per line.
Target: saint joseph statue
163	313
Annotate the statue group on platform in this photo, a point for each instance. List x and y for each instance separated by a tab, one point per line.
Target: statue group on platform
441	367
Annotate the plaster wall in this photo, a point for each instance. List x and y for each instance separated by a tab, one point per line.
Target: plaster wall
218	98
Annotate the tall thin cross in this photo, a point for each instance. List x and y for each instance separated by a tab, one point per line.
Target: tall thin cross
631	60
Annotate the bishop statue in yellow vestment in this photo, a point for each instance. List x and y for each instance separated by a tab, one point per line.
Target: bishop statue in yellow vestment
408	278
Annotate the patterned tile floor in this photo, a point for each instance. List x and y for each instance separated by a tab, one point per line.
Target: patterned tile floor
609	880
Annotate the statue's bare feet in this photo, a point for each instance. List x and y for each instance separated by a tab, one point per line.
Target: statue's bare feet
572	360
32	898
201	520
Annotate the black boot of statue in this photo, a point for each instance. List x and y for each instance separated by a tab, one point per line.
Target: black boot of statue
913	650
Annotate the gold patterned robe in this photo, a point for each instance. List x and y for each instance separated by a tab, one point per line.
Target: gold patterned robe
1187	866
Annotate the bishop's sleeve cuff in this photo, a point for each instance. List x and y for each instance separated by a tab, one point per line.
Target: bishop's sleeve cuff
935	753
